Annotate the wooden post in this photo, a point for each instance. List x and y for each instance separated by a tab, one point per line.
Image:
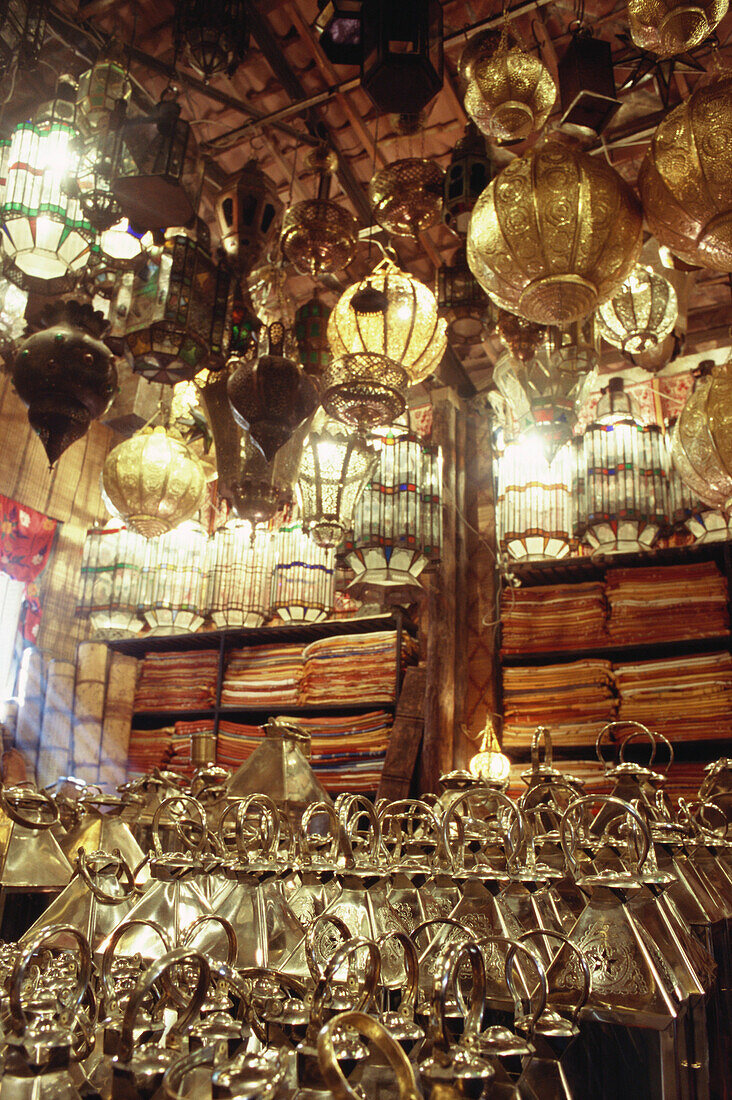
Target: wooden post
405	737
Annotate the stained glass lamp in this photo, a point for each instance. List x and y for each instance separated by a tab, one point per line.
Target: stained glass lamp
335	466
101	88
303	585
534	505
111	581
175	580
44	231
22	31
241	566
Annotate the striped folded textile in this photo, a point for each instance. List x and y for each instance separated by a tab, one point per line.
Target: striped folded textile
553	617
263	675
672	602
574	700
357	668
149	749
684	698
177	681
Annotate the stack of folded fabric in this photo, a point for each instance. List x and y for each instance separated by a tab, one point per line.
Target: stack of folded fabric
263	675
235	743
553	617
359	668
684	698
180	753
148	749
178	681
666	602
574	700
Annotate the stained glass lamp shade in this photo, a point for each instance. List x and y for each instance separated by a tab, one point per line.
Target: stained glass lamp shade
101	89
534	501
44	230
303	585
175	580
241	566
334	467
111	581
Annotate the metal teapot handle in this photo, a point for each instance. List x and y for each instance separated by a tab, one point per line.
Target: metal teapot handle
323	918
656	738
569	844
119	932
448	968
12	797
232	940
177	1071
168	803
122	870
270	813
514	844
548	933
411	967
540	736
639	728
377	1034
529	1022
352	806
343	955
159	969
312	811
18	1019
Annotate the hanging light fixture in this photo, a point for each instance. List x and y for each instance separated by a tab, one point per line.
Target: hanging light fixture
44	231
303	586
248	212
213	35
241	567
319	235
406	196
153	481
468	174
534	507
311	334
335	465
469	312
13	301
175	577
533	244
669	27
402	62
489	764
587	83
102	88
699	437
511	92
641	313
390	313
690	511
111	581
22	32
340	23
93	180
364	390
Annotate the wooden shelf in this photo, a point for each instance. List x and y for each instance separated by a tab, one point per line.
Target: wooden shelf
640	651
686	751
154	719
576	570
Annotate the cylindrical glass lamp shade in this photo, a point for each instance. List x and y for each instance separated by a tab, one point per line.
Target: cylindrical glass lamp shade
101	88
534	503
334	467
111	581
303	585
175	581
241	566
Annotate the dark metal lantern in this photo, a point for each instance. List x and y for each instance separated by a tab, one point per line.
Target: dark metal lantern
402	64
587	83
311	334
468	174
461	300
213	35
340	23
22	31
248	212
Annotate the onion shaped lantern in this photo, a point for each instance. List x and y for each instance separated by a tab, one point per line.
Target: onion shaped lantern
511	93
554	234
640	314
319	235
154	481
685	181
213	35
335	465
390	313
111	581
669	27
248	212
700	446
44	229
364	390
407	195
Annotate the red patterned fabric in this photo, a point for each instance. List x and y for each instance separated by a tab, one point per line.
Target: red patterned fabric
26	538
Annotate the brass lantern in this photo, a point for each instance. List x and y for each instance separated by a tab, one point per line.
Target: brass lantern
364	390
319	235
406	196
669	27
390	313
402	62
153	481
685	181
335	465
640	314
700	446
469	313
511	94
468	174
554	234
248	212
213	34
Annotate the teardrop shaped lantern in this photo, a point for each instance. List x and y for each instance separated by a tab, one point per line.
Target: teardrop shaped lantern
407	195
669	27
701	446
640	314
554	234
319	235
511	94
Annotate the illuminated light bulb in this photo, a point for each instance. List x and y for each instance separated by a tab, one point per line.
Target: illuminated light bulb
489	764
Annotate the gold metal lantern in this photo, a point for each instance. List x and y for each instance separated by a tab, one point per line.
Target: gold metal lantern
319	235
407	195
685	181
641	313
393	314
153	480
701	445
511	94
669	27
364	390
554	234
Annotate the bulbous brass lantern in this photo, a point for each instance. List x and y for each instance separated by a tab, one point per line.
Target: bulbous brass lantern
406	196
554	234
317	234
641	313
364	390
669	27
511	94
701	445
686	179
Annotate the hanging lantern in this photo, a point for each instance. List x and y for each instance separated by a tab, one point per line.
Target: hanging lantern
175	574
269	397
688	509
587	83
22	32
101	88
670	27
174	316
12	317
364	390
469	313
303	586
311	335
534	513
319	235
340	23
482	44
402	64
65	374
520	336
94	181
554	234
406	196
390	313
241	566
640	314
157	172
122	247
248	212
511	93
394	535
335	465
153	481
685	180
213	35
111	581
44	231
468	174
699	438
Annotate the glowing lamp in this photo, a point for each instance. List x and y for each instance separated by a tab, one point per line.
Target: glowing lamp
334	467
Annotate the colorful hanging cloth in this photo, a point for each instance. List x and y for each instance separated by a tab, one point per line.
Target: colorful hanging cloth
26	538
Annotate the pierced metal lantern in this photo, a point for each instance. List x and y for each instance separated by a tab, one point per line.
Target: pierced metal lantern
213	34
340	23
700	440
469	312
22	32
554	234
669	27
271	395
468	174
534	505
13	301
406	196
311	335
111	581
94	180
402	63
319	235
303	585
241	566
154	481
511	94
640	314
157	172
689	510
364	390
175	580
393	314
249	213
44	231
101	89
587	83
335	465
